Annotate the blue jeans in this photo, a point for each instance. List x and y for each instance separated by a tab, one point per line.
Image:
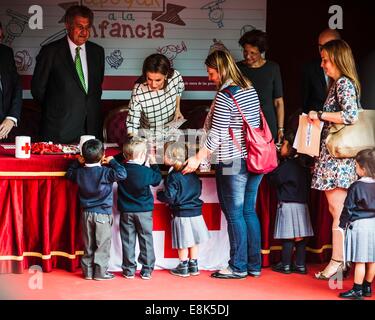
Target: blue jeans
237	194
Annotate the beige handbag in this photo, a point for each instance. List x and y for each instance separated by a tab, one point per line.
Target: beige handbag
345	141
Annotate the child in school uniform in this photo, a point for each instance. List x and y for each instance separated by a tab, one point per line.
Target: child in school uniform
136	203
95	183
182	193
292	225
358	218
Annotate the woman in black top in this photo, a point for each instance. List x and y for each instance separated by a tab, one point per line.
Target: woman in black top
266	79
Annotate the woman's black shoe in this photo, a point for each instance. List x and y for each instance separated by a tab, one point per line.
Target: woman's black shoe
352	294
282	268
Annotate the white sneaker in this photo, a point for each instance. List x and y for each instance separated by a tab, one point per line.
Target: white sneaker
146	276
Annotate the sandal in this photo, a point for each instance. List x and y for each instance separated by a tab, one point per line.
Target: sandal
322	275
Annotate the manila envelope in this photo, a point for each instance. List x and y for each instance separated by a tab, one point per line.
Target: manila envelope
307	139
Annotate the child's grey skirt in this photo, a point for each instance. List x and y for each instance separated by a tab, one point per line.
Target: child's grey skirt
292	221
188	231
360	241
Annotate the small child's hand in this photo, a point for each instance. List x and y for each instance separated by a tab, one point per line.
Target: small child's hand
81	159
106	160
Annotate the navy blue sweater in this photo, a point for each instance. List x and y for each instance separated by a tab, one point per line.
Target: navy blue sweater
96	184
182	193
134	193
292	181
359	203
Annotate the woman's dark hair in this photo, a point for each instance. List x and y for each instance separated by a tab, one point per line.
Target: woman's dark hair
92	151
157	63
81	11
256	38
366	160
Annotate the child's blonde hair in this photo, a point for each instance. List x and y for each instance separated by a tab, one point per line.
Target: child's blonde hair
366	160
176	152
134	147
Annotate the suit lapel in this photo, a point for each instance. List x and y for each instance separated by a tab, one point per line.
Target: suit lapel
322	78
68	61
90	66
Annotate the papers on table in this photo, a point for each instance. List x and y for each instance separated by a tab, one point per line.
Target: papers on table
8	146
175	124
110	145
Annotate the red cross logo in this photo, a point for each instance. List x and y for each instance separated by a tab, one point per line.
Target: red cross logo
162	222
26	148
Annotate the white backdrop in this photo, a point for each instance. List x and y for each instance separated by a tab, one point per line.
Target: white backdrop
213	254
130	30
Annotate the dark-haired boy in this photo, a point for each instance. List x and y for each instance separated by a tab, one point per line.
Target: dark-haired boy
95	184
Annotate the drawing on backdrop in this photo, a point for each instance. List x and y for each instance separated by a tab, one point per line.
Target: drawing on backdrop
171	51
115	59
129	31
215	13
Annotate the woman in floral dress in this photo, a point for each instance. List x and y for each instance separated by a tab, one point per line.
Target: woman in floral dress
333	175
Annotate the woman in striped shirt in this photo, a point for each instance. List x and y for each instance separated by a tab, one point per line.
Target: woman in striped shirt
236	187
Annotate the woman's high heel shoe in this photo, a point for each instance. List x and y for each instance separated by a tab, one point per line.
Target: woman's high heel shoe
330	271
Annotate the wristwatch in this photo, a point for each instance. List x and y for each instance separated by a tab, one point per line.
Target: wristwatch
319	114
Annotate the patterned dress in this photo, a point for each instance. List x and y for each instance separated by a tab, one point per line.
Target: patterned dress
330	173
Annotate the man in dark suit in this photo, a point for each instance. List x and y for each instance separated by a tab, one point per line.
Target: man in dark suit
314	80
10	91
367	76
67	81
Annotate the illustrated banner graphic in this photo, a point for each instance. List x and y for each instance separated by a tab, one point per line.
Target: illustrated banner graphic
130	30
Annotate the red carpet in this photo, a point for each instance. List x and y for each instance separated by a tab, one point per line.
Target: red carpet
62	285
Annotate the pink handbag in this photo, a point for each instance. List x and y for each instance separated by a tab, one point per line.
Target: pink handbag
261	149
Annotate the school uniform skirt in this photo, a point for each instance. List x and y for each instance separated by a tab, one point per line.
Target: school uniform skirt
360	241
292	221
188	232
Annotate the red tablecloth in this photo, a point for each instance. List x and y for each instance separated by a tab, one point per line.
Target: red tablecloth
39	216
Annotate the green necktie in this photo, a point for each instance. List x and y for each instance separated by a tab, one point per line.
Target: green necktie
79	69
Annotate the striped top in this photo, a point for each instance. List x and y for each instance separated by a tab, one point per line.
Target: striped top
226	115
153	109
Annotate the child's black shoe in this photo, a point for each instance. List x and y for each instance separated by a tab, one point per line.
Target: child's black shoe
282	268
352	294
182	269
193	267
298	269
366	289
